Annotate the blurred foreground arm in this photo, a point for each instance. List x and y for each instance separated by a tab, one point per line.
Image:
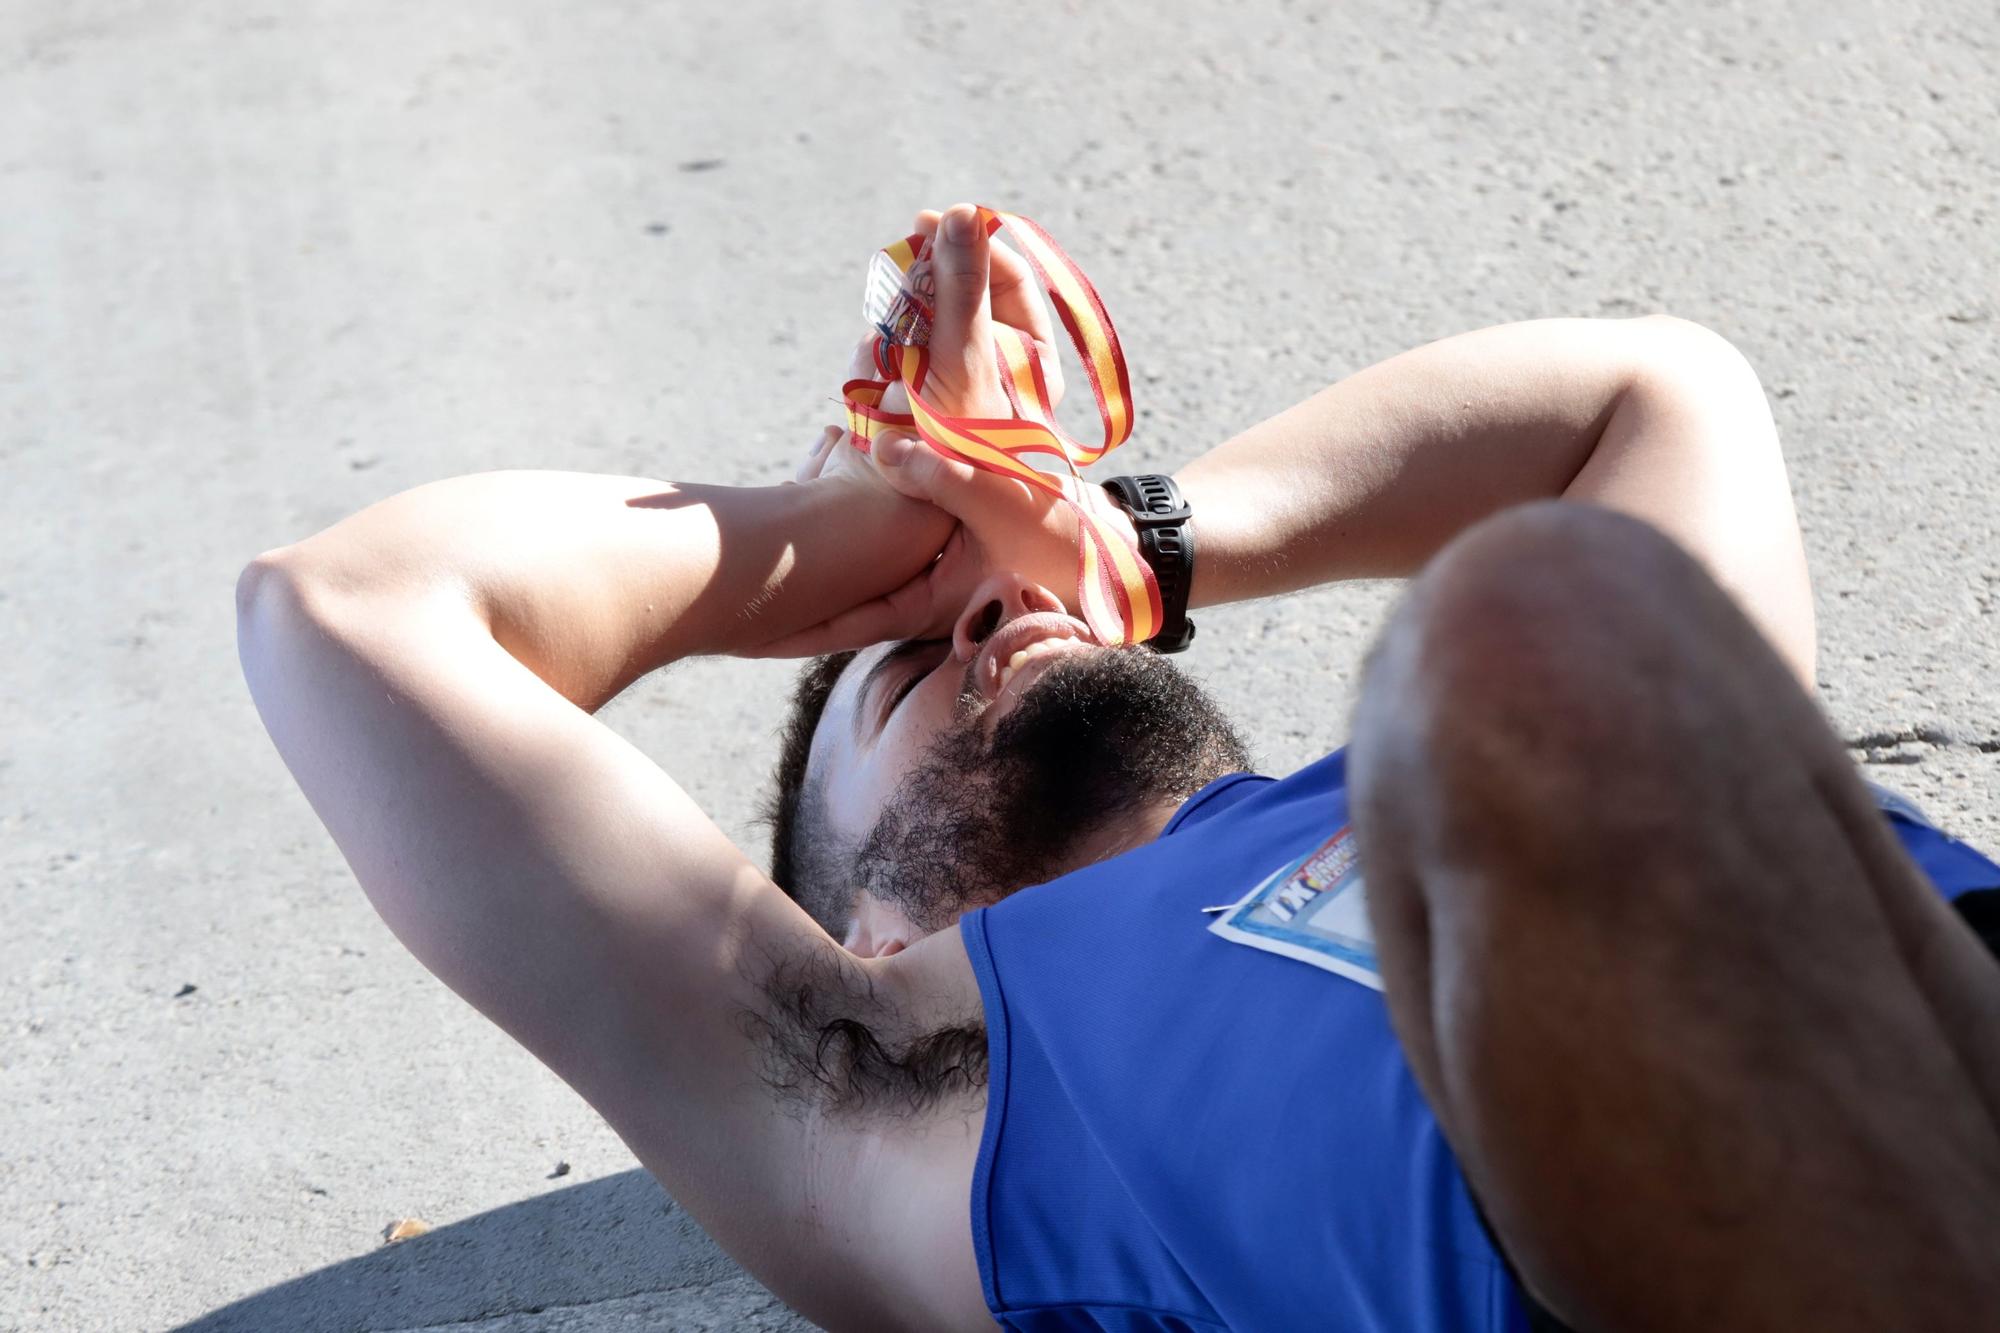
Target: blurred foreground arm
1656	417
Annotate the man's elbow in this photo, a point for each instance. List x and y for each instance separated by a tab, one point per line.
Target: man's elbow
274	585
278	595
1695	358
261	579
265	587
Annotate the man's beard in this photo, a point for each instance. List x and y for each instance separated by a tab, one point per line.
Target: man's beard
1100	738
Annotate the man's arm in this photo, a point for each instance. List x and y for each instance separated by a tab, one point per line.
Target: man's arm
1658	418
592	581
427	668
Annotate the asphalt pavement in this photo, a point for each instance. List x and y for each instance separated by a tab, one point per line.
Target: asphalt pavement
261	264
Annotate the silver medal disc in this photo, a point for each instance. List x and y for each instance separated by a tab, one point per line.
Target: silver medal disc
900	314
885	284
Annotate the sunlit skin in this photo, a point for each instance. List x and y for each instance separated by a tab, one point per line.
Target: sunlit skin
429	668
944	639
895	699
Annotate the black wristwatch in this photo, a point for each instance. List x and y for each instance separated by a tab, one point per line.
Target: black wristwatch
1166	538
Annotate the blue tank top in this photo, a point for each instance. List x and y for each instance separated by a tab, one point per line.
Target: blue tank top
1186	1133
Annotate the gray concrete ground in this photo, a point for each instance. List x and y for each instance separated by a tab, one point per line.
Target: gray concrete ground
263	263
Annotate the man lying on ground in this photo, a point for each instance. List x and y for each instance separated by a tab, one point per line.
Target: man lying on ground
1667	992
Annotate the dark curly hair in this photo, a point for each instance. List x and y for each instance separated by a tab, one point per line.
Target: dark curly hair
804	862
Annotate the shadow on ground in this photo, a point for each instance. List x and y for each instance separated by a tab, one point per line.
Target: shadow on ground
600	1241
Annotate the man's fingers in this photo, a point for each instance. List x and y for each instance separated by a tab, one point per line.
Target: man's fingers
861	366
1016	296
915	469
1013	297
961	332
1014	293
822	449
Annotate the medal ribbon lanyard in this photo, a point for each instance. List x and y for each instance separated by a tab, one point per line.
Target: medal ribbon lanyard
1116	591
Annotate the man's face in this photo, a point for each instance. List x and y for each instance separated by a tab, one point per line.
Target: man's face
954	771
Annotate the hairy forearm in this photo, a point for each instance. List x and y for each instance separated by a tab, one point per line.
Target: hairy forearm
592	581
1657	418
1369	478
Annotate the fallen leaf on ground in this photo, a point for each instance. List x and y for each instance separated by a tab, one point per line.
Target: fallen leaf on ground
403	1228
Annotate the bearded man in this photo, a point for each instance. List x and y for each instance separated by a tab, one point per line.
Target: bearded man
1589	986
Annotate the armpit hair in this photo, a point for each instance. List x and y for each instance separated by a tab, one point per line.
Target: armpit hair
832	1043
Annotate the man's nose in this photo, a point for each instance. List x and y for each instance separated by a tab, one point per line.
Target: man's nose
999	599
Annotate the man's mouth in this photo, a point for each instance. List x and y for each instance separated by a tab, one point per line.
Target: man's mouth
1019	652
1039	651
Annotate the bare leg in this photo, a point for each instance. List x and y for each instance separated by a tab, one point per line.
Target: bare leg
1712	1054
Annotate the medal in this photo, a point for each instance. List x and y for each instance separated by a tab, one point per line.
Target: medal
1116	590
897	302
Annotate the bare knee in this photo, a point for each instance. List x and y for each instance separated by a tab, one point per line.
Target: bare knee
1558	660
1561	605
1617	862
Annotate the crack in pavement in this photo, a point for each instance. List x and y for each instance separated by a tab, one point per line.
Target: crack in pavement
1887	747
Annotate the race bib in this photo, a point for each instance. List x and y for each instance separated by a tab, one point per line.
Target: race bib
1315	910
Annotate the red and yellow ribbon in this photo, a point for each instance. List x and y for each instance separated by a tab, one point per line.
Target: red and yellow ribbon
1116	590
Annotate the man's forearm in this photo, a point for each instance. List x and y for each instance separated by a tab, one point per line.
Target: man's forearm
1371	477
1368	478
592	581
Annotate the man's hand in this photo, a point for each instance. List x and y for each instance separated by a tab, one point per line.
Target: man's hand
1000	523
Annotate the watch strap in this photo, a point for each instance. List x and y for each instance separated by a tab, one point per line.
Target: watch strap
1164	524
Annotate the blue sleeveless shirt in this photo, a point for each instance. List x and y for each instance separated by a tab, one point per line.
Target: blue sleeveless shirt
1186	1133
